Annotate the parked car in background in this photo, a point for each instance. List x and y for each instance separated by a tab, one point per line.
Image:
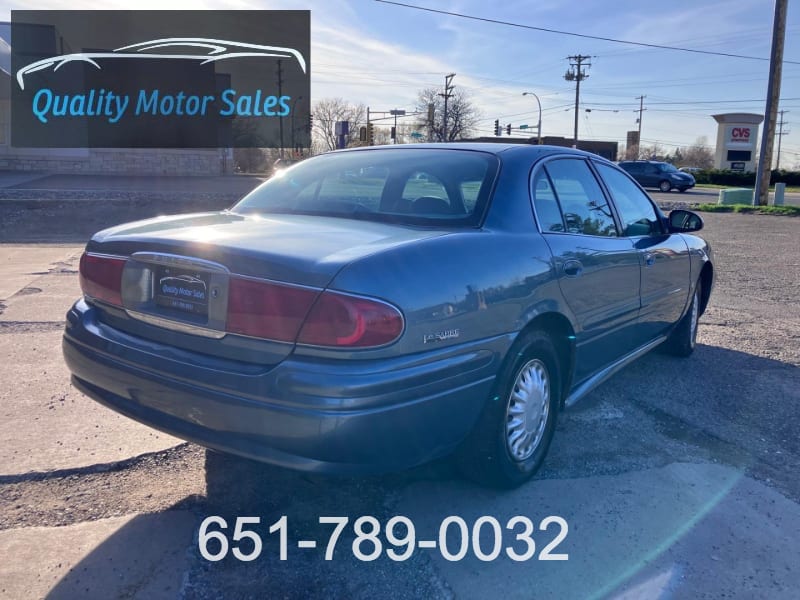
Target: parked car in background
661	175
690	170
373	309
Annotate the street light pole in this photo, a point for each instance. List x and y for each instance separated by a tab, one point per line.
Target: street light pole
539	126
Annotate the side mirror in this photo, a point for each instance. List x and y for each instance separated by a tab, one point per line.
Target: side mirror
684	221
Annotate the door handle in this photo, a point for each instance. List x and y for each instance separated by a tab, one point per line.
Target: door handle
572	268
649	259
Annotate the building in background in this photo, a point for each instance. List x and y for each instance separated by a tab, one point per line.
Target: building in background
607	150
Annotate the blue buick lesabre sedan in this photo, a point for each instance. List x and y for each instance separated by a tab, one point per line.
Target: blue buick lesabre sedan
373	309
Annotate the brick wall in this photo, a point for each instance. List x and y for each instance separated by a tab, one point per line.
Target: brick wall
119	162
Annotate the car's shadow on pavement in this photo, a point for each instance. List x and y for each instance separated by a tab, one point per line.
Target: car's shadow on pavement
638	470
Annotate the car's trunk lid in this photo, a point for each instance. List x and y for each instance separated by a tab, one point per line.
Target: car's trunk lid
199	254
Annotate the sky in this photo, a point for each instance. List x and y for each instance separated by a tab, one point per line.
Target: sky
382	55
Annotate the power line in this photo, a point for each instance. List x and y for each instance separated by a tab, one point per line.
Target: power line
689	102
581	35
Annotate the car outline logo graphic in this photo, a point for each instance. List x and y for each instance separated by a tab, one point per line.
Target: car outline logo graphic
216	50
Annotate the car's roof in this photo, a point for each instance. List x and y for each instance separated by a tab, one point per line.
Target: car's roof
532	149
658	162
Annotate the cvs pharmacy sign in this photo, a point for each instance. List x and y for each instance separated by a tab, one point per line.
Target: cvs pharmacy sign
739	135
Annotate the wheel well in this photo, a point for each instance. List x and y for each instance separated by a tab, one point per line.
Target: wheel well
706	281
558	327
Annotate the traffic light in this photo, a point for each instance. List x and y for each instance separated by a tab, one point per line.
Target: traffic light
370	134
497	130
310	123
394	133
362	134
508	129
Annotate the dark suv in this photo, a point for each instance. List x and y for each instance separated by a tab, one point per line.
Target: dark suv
661	175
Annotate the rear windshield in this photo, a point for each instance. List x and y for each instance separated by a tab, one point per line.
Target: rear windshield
411	186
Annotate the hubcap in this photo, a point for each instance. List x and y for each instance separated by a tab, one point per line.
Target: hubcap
528	408
693	322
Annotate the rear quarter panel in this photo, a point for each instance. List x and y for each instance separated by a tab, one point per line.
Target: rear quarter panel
458	288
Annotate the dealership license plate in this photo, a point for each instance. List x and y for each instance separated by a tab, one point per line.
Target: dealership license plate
182	290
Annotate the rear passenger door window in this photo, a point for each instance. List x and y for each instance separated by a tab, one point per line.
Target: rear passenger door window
583	205
548	212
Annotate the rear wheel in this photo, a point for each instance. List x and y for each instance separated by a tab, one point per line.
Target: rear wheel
683	339
665	186
513	435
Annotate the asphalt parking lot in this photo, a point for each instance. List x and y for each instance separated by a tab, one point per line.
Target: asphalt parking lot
677	477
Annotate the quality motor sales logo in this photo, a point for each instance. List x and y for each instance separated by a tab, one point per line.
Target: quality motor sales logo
221	89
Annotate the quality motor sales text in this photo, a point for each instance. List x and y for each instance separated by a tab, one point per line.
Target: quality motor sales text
102	103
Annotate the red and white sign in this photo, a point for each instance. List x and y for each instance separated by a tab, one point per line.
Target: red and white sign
740	134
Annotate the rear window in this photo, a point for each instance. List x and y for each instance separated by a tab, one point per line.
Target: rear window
412	186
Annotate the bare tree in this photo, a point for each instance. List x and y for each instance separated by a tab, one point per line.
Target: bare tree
654	152
629	152
248	152
327	112
697	155
462	115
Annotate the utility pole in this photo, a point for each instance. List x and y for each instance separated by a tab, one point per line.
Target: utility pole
639	121
280	95
448	89
576	74
761	191
781	133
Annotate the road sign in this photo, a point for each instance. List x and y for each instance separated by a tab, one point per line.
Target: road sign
523	126
397	112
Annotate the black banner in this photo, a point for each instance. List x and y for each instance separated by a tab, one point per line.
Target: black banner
160	79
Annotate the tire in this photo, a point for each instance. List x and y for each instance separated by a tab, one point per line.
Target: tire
683	339
509	443
665	186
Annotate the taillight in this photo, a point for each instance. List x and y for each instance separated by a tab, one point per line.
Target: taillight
339	320
267	310
101	277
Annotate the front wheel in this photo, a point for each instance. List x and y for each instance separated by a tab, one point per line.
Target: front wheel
513	435
665	186
683	339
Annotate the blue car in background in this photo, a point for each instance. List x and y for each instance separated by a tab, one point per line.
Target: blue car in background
656	174
373	309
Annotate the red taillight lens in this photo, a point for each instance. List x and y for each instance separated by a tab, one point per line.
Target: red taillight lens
267	310
101	277
352	322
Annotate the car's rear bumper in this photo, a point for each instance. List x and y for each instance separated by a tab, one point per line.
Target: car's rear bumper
309	414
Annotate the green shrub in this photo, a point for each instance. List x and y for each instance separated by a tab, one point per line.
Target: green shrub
737	179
